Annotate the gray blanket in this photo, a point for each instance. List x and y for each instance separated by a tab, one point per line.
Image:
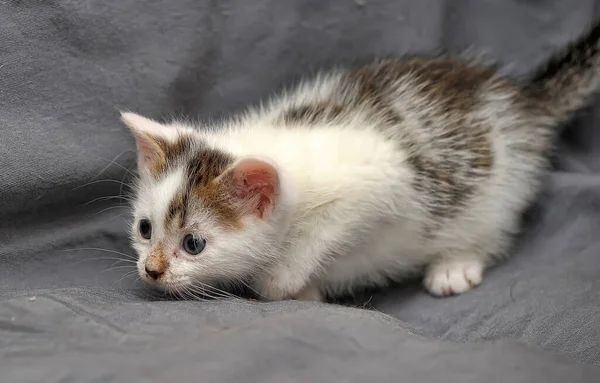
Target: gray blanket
69	311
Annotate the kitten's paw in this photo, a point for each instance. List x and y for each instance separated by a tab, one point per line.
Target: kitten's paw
268	290
451	277
279	284
309	294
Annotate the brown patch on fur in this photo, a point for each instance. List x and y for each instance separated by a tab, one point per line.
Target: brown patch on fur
204	169
449	181
452	83
206	165
170	152
202	183
451	153
374	88
157	260
216	197
483	157
177	209
322	111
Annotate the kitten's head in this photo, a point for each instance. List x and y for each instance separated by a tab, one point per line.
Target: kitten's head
201	215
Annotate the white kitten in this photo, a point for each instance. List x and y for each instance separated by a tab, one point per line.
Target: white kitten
355	178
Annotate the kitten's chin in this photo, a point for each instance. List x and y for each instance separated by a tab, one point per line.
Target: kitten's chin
186	289
167	286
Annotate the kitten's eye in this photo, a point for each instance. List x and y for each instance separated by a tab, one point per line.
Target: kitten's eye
193	245
145	228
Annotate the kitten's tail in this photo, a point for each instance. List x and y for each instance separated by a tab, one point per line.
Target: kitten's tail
567	81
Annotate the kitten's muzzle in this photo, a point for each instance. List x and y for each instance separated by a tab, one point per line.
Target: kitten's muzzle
156	263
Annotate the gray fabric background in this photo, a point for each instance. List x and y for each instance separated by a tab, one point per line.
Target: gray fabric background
65	68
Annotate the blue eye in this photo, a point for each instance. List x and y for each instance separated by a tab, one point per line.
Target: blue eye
193	245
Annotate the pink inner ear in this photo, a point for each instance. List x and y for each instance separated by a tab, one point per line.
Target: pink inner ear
147	147
149	152
257	184
144	130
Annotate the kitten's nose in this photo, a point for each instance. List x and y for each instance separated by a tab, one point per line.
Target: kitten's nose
154	274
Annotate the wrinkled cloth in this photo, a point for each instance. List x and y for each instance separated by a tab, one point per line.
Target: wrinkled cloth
70	312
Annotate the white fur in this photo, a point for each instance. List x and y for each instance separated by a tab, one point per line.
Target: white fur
348	216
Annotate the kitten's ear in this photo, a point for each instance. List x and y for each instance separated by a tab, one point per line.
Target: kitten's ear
148	136
256	185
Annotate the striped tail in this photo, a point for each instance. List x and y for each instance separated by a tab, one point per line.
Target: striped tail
568	80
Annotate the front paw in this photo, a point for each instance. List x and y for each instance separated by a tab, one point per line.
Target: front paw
281	285
452	277
309	294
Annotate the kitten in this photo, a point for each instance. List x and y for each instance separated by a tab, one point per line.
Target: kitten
355	178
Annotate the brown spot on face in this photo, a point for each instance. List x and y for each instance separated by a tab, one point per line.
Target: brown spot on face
177	208
157	262
171	152
322	112
216	196
206	165
204	170
204	183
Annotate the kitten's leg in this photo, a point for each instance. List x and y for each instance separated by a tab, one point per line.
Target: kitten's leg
455	274
294	270
285	280
309	293
288	277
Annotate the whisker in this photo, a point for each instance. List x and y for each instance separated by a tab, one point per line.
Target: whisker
121	187
244	283
126	275
118	216
115	267
114	162
106	199
109	208
200	292
222	293
101	249
98	181
202	295
118	260
189	294
215	290
218	292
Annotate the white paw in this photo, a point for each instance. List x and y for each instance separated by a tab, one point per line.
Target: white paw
279	284
268	289
450	277
309	294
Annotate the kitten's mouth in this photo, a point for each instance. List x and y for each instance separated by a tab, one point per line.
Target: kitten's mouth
185	289
171	289
163	283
